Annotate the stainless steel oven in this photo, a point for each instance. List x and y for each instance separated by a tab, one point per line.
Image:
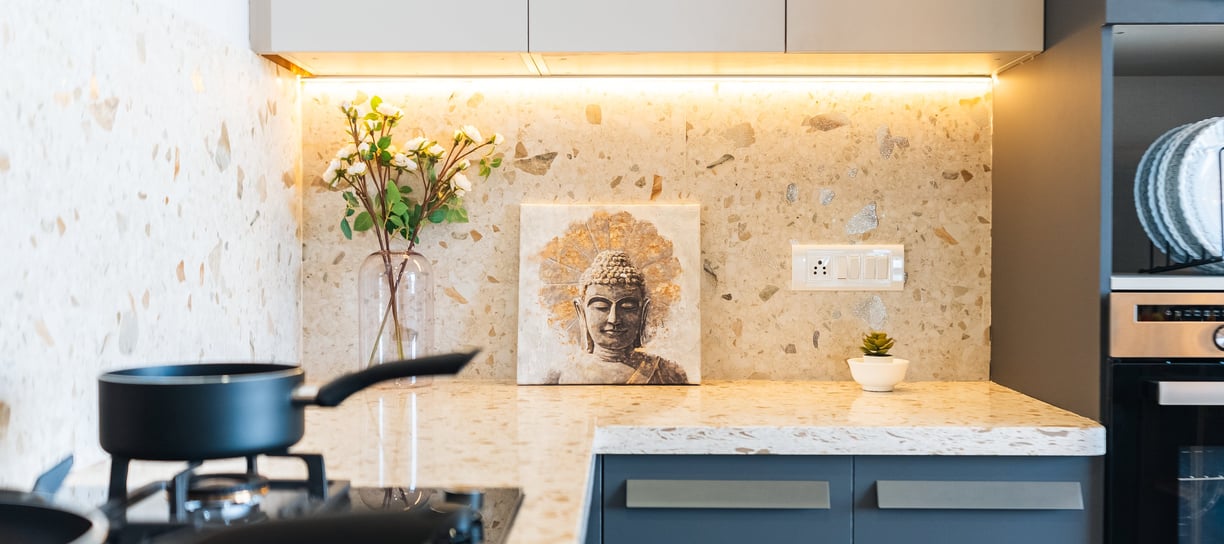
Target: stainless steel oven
1164	411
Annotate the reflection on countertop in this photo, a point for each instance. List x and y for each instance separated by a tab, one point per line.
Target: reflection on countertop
543	438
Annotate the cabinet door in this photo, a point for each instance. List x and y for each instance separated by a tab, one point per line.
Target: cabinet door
1164	11
1001	500
930	26
726	498
388	25
632	26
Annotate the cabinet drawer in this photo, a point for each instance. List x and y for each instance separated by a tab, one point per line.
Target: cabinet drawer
1164	11
976	499
669	498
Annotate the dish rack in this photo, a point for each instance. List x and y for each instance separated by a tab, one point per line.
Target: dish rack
1171	264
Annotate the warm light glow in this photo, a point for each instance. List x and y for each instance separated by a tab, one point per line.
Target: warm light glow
666	85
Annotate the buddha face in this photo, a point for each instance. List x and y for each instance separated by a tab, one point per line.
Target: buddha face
613	315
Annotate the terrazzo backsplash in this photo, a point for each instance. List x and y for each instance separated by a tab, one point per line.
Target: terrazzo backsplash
769	161
150	180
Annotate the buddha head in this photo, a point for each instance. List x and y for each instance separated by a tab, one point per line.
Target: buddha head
612	304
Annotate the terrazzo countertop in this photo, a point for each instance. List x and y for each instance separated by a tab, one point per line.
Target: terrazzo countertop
543	438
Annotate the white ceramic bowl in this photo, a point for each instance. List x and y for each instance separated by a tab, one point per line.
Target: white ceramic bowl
874	376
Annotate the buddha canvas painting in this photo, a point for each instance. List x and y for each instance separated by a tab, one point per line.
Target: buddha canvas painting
608	294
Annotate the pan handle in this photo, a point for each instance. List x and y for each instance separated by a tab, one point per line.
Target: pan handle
48	484
335	391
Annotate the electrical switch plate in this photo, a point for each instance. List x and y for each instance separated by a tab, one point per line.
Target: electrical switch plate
833	267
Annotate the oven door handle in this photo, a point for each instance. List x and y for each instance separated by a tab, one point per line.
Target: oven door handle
1190	393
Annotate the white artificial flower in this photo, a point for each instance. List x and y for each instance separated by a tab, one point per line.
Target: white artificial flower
414	144
461	184
389	110
497	138
357	169
402	161
436	150
472	133
346	151
464	164
332	174
363	108
347	108
363	148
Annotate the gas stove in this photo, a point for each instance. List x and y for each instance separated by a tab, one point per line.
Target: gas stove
201	506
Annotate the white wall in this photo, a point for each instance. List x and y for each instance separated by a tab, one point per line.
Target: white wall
149	188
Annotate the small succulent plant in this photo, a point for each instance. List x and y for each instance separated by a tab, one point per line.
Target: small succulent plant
876	344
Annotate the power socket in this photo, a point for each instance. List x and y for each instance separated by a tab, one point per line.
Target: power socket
821	267
843	267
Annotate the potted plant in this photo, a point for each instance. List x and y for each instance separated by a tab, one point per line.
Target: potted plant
877	370
876	345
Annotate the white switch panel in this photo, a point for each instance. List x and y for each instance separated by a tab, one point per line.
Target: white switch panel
824	267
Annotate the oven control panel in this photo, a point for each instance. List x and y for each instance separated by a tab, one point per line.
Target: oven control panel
1179	312
1166	324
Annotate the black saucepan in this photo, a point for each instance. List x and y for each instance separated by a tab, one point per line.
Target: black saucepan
214	411
36	518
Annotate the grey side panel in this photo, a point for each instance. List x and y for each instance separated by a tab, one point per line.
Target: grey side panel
784	495
1047	276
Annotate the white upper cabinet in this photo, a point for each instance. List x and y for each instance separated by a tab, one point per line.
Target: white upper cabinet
647	37
932	37
394	37
928	26
658	26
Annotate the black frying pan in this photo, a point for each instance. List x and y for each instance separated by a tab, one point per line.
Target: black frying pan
35	518
214	411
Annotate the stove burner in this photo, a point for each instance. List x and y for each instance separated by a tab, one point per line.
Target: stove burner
224	499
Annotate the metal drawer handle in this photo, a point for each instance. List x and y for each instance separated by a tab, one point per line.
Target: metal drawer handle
1190	393
990	495
774	494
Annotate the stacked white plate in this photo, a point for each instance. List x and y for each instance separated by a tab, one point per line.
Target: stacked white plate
1178	189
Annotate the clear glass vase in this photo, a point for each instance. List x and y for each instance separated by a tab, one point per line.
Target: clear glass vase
395	308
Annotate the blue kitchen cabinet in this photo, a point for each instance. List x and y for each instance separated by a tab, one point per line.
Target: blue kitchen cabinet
834	499
724	498
952	500
1164	11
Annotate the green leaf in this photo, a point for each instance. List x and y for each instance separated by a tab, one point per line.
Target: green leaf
373	116
375	102
395	222
384	156
437	216
351	199
363	222
344	227
348	212
485	170
405	189
497	162
393	194
384	142
399	208
456	215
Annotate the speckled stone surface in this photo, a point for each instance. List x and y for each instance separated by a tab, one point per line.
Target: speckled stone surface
543	439
769	161
149	182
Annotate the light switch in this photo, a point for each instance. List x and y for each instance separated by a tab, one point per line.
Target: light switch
847	267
